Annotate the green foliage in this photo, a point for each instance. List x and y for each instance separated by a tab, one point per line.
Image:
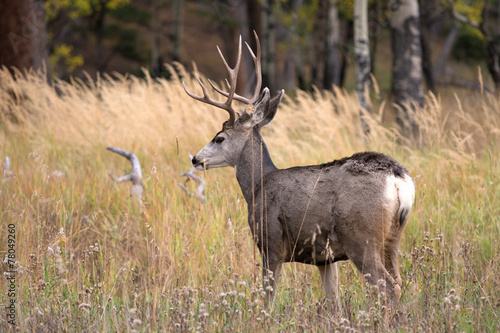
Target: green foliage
63	55
130	13
470	9
128	42
303	18
81	8
469	46
346	9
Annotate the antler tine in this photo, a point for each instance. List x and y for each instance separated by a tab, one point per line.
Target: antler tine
258	69
258	74
233	77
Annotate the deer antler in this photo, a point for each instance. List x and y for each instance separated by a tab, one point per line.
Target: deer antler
258	74
233	77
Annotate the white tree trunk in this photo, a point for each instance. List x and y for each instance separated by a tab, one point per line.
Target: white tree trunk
407	61
362	50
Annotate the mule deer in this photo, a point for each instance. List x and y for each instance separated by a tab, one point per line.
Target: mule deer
353	208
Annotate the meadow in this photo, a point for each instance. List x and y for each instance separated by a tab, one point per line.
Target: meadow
90	258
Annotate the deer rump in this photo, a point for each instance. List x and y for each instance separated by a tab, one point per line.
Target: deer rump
335	211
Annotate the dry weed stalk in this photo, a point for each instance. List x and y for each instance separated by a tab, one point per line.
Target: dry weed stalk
135	176
7	173
190	175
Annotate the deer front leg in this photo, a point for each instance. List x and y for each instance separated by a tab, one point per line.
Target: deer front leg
270	278
329	277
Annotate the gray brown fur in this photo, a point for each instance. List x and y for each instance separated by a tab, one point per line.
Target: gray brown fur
353	208
316	214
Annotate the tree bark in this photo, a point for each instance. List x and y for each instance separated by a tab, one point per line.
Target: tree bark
362	52
407	62
373	31
254	12
318	50
156	59
289	71
23	34
268	45
100	13
176	34
492	49
425	21
333	65
247	77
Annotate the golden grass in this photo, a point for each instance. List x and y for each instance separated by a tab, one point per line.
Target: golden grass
90	259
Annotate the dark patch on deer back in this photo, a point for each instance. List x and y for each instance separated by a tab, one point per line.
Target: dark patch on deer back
369	162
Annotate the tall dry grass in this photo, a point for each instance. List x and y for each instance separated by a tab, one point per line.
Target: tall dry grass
90	259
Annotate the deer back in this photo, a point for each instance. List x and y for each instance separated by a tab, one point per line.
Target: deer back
312	210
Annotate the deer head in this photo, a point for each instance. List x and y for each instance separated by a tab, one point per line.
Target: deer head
226	147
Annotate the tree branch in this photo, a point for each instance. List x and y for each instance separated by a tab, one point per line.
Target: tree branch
135	176
192	176
461	18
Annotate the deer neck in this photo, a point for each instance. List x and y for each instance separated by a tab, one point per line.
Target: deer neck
253	166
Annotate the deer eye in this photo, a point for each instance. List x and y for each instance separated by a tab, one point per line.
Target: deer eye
219	139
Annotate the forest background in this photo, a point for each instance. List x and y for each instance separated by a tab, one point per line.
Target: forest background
89	257
310	43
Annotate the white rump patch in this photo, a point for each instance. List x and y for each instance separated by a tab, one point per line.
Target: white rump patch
404	190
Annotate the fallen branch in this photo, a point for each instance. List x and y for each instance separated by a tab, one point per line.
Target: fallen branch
192	176
135	176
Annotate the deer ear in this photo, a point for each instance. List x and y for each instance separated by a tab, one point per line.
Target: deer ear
265	109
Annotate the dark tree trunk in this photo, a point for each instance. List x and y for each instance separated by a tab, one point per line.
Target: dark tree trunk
101	12
246	79
23	34
373	32
425	21
318	40
290	67
156	58
254	12
493	62
427	64
176	33
333	63
492	49
268	43
407	62
349	36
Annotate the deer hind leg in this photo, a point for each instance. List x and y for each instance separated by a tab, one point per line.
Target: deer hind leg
329	277
368	260
392	266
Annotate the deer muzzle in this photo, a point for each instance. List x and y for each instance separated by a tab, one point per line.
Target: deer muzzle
198	164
